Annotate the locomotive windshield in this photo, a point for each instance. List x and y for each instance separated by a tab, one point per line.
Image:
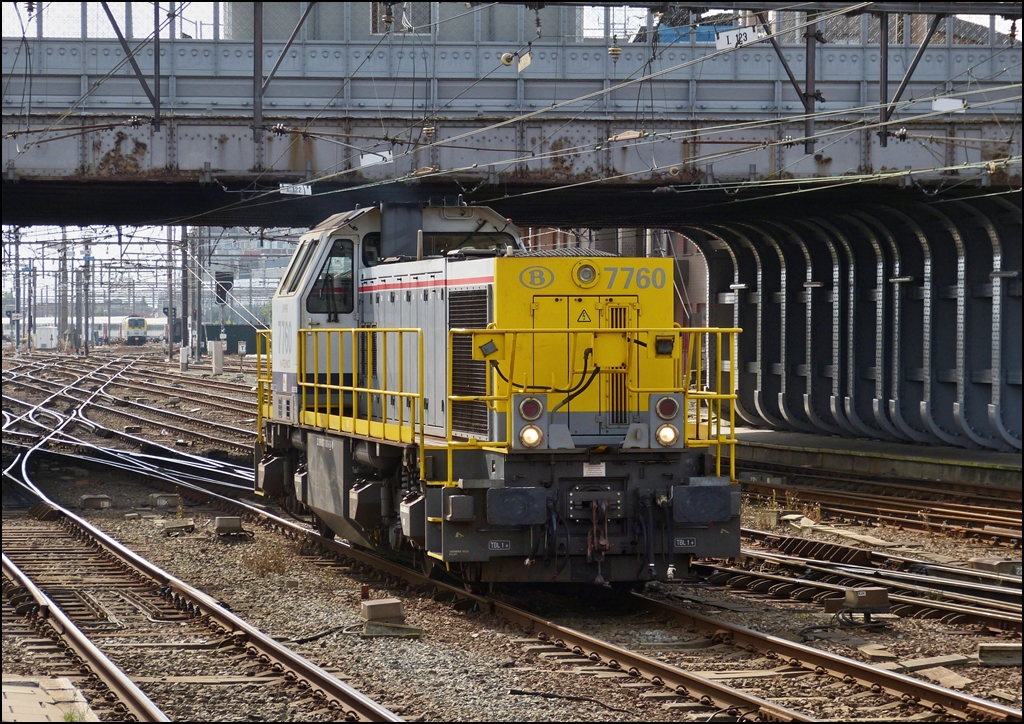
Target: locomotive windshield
136	323
332	291
290	281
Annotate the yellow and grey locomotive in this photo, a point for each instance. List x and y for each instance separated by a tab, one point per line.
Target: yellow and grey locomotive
439	393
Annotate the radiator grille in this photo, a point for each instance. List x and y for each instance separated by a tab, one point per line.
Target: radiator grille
618	318
468	310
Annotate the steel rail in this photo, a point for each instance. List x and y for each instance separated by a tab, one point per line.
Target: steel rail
1000	619
910	582
885	561
939	511
168	413
896	684
939	699
184	395
174	457
657	672
134	699
536	624
320	682
828	480
618	658
143	420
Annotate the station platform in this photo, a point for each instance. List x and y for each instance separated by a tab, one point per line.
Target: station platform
875	458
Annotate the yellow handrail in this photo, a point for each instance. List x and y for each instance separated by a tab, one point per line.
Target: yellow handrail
323	403
349	407
264	379
694	436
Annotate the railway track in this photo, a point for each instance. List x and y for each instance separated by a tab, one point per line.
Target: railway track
601	658
32	615
806	481
989	524
84	399
126	602
636	671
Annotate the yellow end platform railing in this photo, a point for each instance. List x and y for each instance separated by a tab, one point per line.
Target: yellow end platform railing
707	393
264	381
334	359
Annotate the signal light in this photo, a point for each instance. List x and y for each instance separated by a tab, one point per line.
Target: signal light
667	408
531	409
225	282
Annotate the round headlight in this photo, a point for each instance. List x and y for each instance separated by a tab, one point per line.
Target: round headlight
531	436
667	435
531	408
585	274
667	408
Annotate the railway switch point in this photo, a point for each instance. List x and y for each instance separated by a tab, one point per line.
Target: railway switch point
383	610
94	502
164	500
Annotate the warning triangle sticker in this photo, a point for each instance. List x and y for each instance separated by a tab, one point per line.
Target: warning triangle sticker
584	317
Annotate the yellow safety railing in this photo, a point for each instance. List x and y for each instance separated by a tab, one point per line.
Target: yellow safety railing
264	381
708	407
331	362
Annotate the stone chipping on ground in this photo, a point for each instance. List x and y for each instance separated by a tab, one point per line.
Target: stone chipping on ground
461	670
466	663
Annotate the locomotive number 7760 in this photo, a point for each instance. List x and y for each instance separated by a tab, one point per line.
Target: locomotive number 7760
642	278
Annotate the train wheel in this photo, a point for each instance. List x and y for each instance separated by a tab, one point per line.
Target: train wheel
471	574
427	565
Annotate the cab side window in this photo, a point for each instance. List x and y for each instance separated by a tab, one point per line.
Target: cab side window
332	292
371	249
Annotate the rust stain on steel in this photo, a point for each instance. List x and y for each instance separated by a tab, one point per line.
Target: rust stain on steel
116	162
561	163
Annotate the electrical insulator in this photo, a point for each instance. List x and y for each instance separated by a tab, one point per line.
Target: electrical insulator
615	51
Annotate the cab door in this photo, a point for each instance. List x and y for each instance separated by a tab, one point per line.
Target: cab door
330	304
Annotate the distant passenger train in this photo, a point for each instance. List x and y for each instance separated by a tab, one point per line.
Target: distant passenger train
445	396
133	331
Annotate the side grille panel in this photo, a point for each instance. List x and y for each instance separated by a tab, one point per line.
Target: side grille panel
618	401
468	310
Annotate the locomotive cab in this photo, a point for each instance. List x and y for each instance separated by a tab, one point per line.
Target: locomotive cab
440	394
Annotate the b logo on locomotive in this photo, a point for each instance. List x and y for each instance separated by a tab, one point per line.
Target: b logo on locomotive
536	277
